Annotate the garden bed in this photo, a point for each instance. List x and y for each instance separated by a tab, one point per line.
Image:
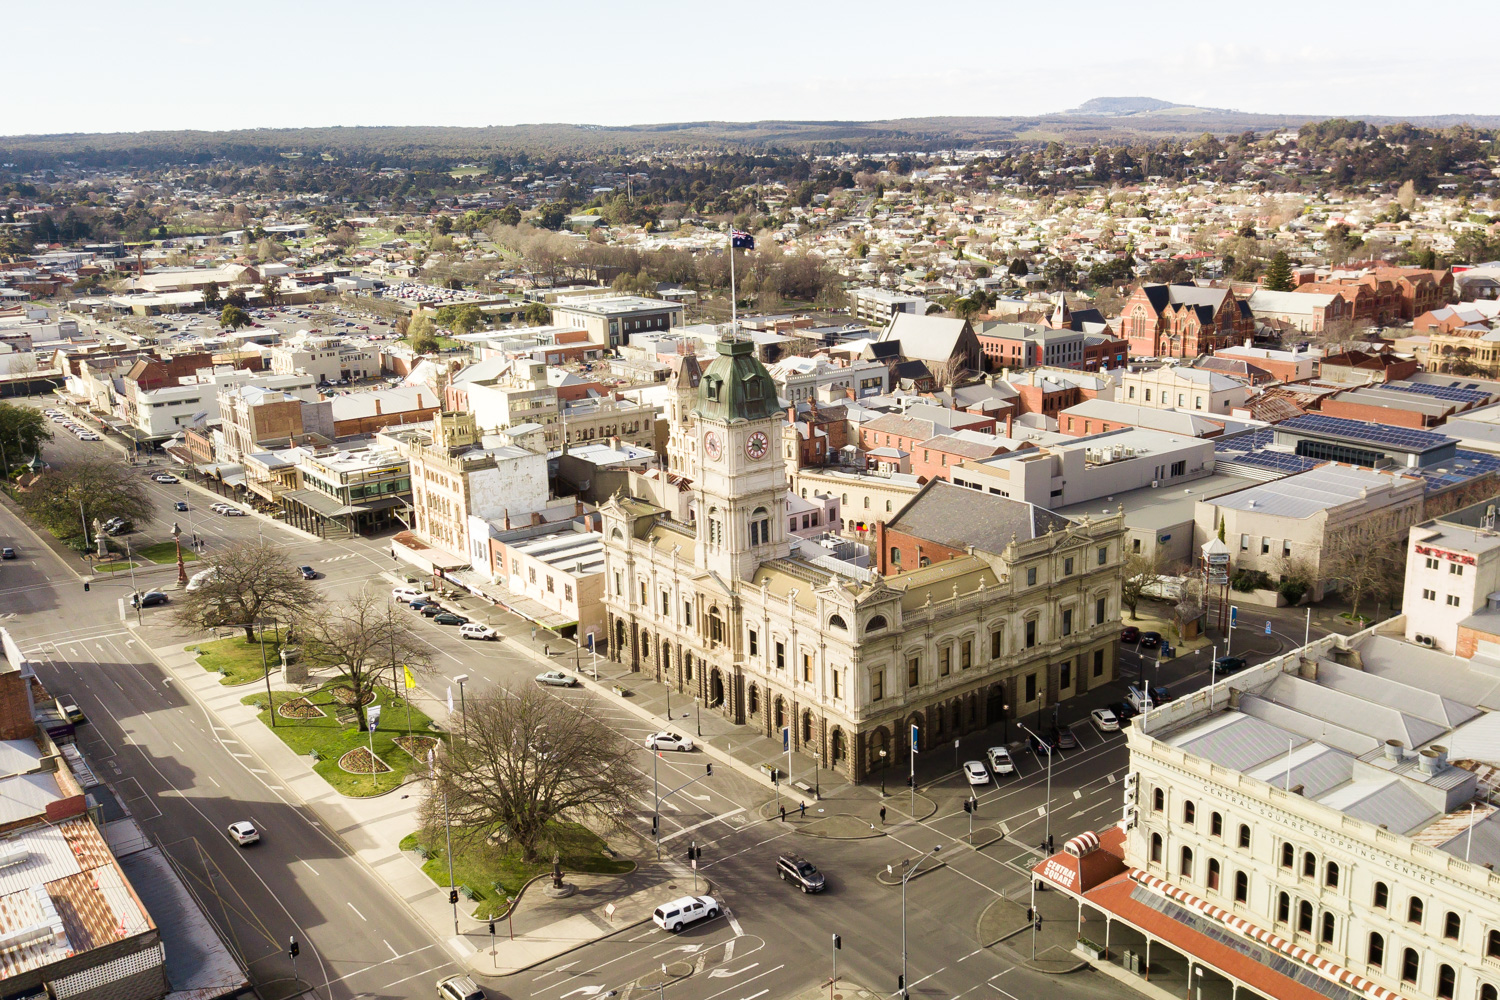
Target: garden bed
359	761
417	746
299	708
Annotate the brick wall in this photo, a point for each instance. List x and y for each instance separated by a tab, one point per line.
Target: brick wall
1351	410
911	548
15	708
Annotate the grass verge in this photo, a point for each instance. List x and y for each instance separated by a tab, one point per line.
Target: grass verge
114	567
165	552
494	872
331	738
239	661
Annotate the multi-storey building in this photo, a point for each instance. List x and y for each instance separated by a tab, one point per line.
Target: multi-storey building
1452	573
613	319
876	306
1183	321
1013	609
1176	387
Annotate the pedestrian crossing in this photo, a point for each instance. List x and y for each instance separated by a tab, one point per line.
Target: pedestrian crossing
334	559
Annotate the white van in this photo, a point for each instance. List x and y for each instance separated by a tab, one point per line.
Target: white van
197	580
405	595
677	914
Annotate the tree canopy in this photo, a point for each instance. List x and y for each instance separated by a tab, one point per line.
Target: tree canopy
249	584
84	492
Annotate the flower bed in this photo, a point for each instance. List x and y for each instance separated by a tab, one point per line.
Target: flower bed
359	761
416	746
299	708
345	696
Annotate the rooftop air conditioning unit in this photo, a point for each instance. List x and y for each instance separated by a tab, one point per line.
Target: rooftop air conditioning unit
1423	640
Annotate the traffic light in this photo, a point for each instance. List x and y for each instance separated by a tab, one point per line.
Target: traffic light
838	943
85	586
901	985
968	805
710	769
653	825
293	949
452	897
492	928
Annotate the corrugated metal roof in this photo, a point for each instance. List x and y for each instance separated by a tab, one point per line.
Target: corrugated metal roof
1241	743
1389	804
24	796
1393	693
1350	710
48	858
1317	768
1307	493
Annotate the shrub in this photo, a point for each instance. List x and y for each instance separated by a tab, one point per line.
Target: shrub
1246	580
1292	590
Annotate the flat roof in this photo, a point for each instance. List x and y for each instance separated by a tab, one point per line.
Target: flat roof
1307	493
1159	508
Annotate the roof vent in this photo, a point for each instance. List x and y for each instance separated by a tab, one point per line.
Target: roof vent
1395	751
1431	761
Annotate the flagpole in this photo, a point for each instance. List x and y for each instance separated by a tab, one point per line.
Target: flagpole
734	322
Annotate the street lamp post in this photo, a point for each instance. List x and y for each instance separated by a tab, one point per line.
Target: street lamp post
882	773
698	714
177	540
1005	722
1042	742
911	869
817	776
462	708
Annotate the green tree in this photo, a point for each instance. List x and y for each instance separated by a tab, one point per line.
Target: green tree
211	295
270	292
537	314
552	215
60	499
233	317
444	225
22	431
1018	268
463	318
1279	273
421	335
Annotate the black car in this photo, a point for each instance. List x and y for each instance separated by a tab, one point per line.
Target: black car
1229	664
800	872
1039	747
448	618
1064	739
430	610
1123	710
7	553
1150	640
180	505
308	573
149	599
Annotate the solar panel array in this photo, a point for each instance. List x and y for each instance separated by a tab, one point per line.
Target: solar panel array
1361	430
1278	460
1248	441
1447	393
1465	465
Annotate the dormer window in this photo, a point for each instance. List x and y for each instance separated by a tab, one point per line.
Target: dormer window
711	386
752	387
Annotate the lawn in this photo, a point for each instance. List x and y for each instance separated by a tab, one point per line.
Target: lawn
113	567
239	661
480	868
331	739
165	552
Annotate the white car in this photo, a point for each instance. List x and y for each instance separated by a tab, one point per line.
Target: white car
975	773
1106	720
474	630
668	741
1000	761
677	914
244	833
165	477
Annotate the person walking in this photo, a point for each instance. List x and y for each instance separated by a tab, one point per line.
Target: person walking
783	814
882	815
801	810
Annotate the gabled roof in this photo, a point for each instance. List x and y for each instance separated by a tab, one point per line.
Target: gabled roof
927	338
958	517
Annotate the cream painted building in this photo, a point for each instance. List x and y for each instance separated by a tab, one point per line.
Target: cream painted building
1180	388
730	609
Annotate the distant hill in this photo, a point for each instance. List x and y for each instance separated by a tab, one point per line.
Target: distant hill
1121	106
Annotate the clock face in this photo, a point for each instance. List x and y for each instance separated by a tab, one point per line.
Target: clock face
712	446
757	444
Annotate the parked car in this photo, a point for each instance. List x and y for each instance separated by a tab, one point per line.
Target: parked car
1000	761
800	872
449	618
679	913
1229	664
1105	720
235	512
1124	711
70	710
556	678
8	552
460	988
1130	633
1039	747
430	609
308	573
1150	640
477	630
165	477
180	505
404	595
1064	739
668	741
244	833
975	773
149	599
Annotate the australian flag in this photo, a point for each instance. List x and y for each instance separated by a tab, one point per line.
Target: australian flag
740	240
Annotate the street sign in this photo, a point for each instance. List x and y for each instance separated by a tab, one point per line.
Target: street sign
955	744
786	738
1268	627
1234	616
915	733
591	642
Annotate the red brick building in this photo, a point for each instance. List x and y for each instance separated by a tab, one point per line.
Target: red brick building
936	457
1183	321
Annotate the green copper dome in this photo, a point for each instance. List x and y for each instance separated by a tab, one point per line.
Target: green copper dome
736	386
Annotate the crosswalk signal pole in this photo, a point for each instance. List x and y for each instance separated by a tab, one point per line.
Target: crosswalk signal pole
293	950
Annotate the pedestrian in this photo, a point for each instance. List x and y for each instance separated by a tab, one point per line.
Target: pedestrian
783	814
801	809
882	815
546	649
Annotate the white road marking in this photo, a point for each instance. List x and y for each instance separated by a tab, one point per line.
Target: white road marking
312	869
394	953
735	924
356	912
695	826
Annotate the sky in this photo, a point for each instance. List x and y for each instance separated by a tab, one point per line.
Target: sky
174	64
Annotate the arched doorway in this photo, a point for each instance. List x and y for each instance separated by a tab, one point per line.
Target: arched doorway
754	699
778	713
619	638
715	689
807	727
836	746
878	750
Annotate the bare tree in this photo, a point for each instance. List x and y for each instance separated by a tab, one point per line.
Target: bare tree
362	636
1368	559
524	759
247	585
1141	571
67	498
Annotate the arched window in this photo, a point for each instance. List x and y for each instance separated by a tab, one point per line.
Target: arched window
1245	835
1331	875
1382	896
1186	869
1283	908
1305	917
715	624
1414	911
837	621
1216	825
807	727
1213	874
896	555
1411	964
1375	955
1446	981
760	526
754	699
1241	887
1158	800
1288	855
836	746
666	657
715	527
1451	926
887	506
1189	812
1488	992
1327	936
1156	848
1309	865
875	624
867	502
645	646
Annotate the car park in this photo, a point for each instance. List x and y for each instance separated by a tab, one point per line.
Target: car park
460	988
449	618
800	872
679	913
476	630
975	773
668	741
556	678
1105	720
1150	640
149	599
1130	634
244	833
1000	761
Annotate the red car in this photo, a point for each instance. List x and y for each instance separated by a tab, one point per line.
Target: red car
1130	634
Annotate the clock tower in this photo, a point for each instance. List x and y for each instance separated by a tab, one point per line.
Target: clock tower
741	488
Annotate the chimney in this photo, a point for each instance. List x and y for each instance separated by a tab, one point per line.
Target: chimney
577	508
1430	761
377	406
1298	789
1009	417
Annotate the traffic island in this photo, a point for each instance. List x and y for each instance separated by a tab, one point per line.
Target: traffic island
324	728
238	660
